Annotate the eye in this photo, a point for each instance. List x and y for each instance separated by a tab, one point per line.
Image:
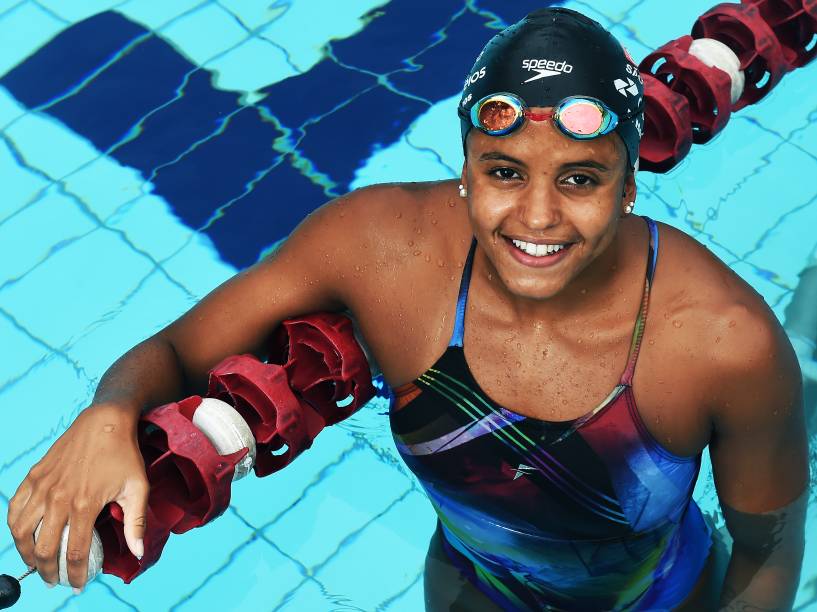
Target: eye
504	173
581	180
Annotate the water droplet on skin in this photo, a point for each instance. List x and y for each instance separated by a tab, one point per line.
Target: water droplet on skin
666	316
651	342
732	323
564	402
519	345
583	291
411	243
399	215
428	258
580	340
518	364
775	412
490	276
357	268
717	340
545	353
434	222
450	278
677	324
440	263
452	203
417	252
658	420
418	231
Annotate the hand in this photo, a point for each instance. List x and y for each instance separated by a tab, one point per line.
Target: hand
96	461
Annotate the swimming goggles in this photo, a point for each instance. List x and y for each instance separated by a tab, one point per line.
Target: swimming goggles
578	117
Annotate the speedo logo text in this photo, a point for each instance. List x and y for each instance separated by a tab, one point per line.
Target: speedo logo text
546	68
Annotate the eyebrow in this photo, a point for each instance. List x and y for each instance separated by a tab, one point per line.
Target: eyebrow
583	163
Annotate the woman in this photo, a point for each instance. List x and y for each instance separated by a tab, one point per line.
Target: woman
561	296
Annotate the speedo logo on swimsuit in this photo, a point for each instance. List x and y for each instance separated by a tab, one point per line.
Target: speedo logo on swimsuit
546	68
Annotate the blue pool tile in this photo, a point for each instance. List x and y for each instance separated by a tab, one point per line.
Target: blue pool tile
442	68
20	186
219	169
308	95
390	553
95	596
70	57
75	287
204	33
386	114
154	14
339	506
156	303
5	535
103	186
255	14
771	292
326	21
396	31
290	484
309	595
38	230
758	198
257	220
786	245
252	65
256	576
20	351
127	90
198	267
389	165
410	601
657	23
511	12
43	403
78	10
164	135
151	226
186	562
10	108
438	130
47	146
23	30
795	94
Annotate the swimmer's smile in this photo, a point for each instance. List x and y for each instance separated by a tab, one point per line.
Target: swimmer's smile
537	255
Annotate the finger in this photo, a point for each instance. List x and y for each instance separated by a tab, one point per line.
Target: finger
81	522
47	541
22	529
18	502
134	502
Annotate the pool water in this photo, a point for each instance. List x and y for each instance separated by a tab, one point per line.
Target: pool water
149	150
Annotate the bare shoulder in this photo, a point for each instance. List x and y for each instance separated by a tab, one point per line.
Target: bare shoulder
720	328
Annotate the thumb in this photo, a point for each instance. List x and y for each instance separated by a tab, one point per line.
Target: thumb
134	503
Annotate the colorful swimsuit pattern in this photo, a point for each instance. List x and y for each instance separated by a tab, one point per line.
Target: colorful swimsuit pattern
588	514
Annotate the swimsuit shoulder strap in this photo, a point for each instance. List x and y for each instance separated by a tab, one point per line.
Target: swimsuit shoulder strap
462	298
638	332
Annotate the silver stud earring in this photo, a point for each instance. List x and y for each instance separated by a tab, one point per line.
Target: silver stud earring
629	208
463	192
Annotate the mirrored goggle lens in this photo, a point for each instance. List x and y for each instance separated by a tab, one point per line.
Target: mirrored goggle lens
498	115
584	118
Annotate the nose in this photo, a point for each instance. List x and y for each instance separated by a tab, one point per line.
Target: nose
540	207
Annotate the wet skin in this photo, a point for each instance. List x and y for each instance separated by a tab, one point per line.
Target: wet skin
715	367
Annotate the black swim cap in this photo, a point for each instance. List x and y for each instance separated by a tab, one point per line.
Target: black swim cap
554	53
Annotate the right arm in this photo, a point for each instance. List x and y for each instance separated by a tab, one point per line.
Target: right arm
97	460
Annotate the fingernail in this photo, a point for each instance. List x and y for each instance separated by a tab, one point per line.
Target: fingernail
77	591
140	549
50	585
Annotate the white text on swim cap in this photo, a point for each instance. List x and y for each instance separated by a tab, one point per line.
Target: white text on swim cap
546	68
469	80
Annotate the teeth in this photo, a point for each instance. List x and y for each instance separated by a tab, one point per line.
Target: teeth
538	250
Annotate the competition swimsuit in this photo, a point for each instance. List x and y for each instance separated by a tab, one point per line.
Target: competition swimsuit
587	514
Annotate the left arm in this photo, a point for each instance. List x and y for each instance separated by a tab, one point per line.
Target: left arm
759	452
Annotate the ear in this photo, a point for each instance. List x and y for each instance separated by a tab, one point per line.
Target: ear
629	188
